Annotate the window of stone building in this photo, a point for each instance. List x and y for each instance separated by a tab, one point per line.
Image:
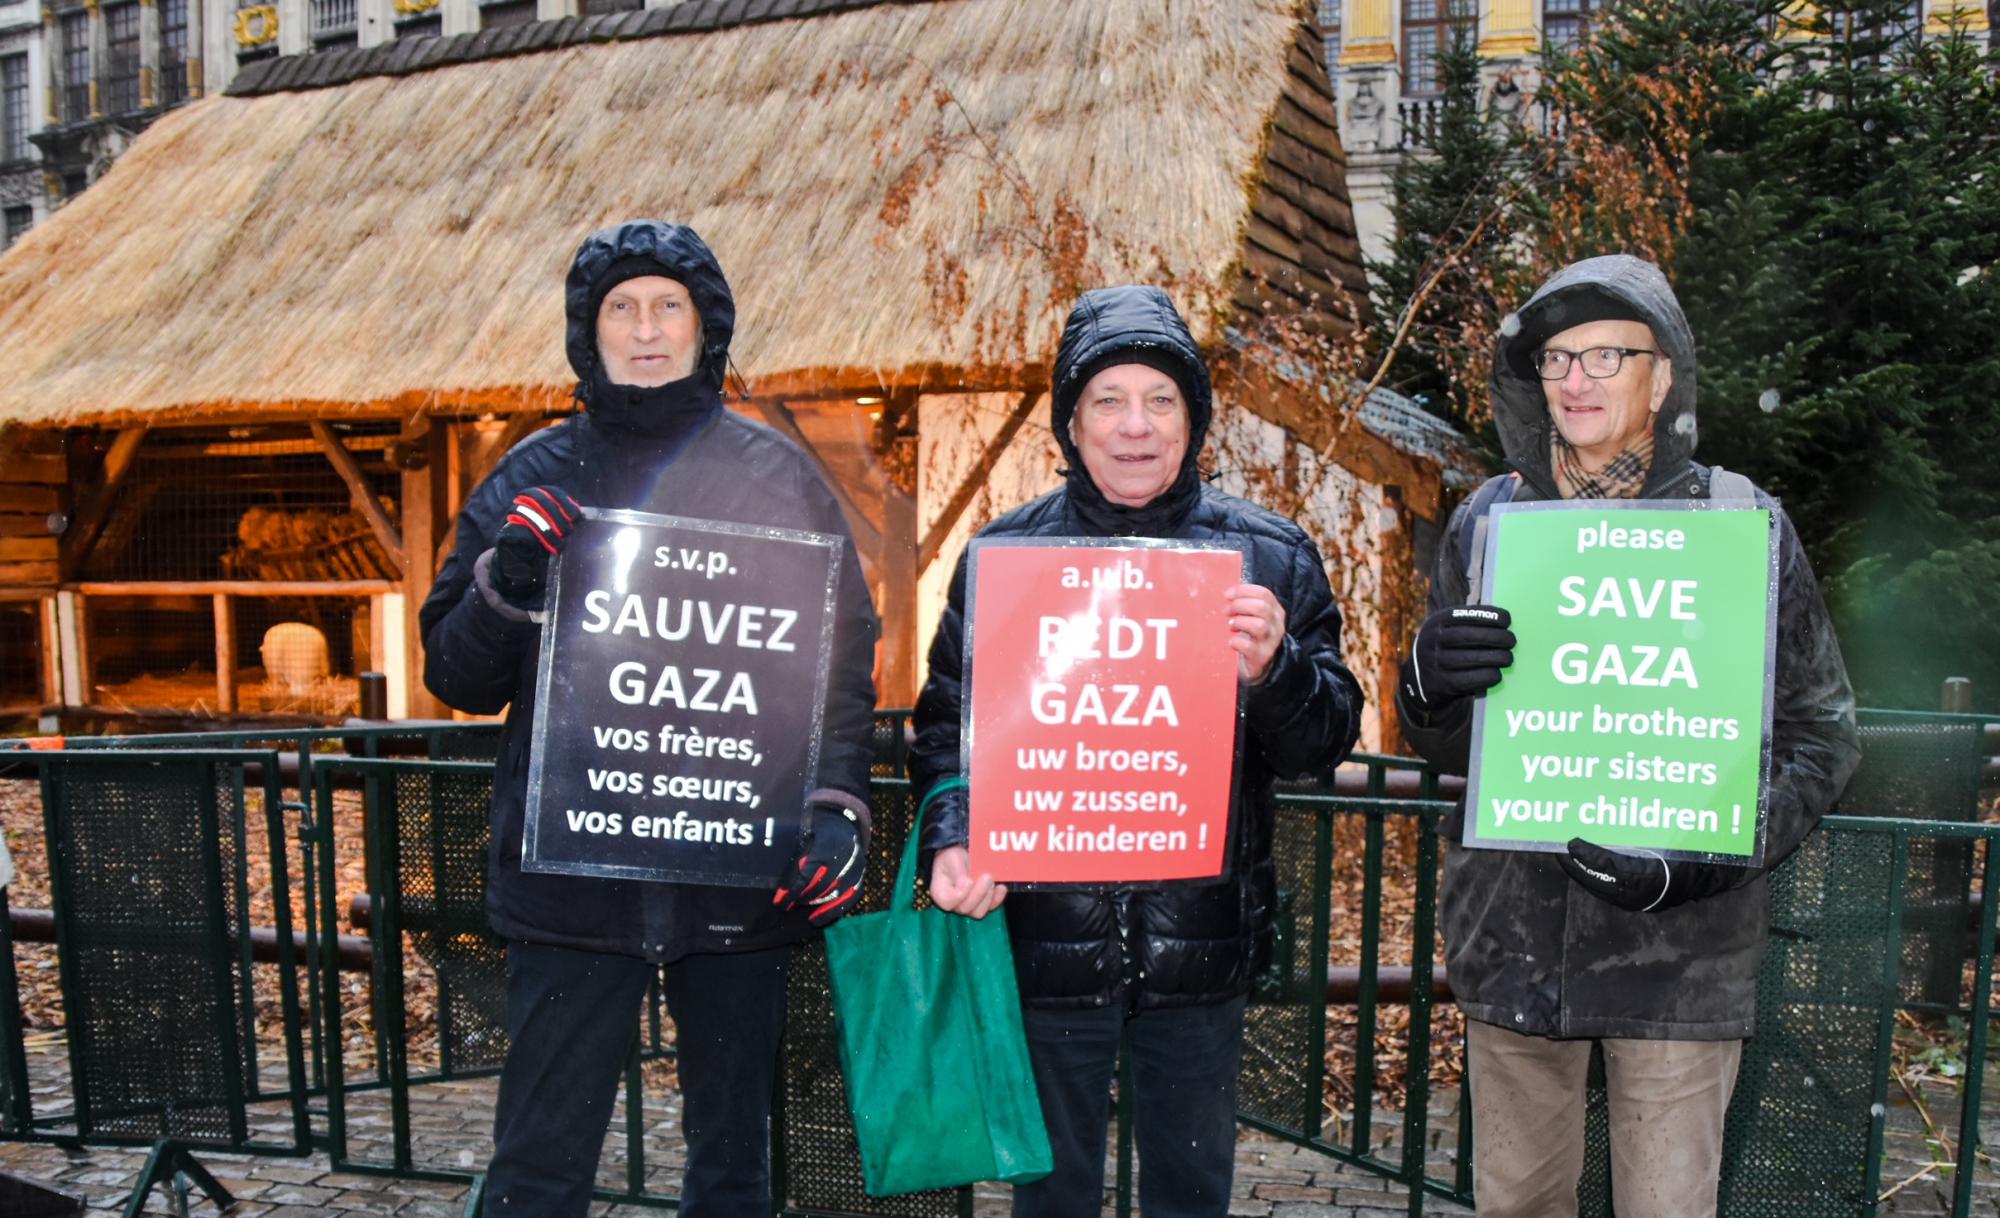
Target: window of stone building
173	51
593	8
1903	28
19	220
1329	32
1429	27
75	30
1565	22
496	13
334	24
14	108
121	75
425	25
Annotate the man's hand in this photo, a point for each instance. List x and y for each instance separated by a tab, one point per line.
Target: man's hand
954	889
829	873
1644	883
538	523
1459	652
1256	628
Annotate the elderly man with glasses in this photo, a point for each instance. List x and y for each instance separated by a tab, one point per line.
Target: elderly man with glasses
1594	398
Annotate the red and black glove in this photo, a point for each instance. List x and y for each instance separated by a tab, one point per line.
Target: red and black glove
828	878
538	522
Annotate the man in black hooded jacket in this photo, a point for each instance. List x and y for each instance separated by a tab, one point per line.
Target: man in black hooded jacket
1130	407
649	322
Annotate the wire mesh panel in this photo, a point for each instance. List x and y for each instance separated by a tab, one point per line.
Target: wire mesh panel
148	869
819	1161
15	1114
1925	768
300	655
244	508
20	653
1804	1124
441	828
888	744
151	653
1280	1081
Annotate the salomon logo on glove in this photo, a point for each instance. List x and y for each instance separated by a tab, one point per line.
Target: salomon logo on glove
1459	652
1645	883
538	522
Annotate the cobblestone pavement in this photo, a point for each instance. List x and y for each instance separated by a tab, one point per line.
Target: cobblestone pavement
450	1125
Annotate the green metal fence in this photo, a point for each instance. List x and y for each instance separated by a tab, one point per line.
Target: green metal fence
1867	921
150	855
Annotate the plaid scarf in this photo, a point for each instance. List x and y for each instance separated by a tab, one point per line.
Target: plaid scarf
1623	477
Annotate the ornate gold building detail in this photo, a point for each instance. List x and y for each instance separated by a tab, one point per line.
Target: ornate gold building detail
257	26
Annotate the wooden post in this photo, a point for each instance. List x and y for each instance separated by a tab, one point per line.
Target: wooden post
1393	539
52	686
424	518
901	666
225	654
71	630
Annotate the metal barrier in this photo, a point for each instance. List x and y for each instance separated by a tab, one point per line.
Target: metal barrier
149	854
1806	1125
427	839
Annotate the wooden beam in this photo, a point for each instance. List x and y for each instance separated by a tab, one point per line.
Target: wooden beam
89	522
234	587
900	670
358	490
975	478
225	654
424	514
519	427
866	536
73	633
51	654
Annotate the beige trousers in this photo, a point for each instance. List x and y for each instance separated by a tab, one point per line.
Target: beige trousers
1668	1099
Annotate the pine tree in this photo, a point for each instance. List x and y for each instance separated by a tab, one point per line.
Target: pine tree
1840	276
1826	198
1452	245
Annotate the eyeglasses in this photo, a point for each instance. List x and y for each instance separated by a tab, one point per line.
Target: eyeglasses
1599	363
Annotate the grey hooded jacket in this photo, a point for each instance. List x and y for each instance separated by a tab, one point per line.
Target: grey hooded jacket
1526	948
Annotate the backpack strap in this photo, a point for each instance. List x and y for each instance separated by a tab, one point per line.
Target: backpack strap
1472	527
1728	484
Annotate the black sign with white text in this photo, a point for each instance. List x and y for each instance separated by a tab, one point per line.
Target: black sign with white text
682	687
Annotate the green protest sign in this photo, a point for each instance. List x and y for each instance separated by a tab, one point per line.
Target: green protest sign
1637	709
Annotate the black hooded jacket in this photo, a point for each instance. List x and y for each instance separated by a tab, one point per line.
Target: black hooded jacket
1525	947
1180	945
675	451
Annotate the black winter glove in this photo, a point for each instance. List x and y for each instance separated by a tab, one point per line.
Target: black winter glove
829	873
1459	652
1645	883
538	522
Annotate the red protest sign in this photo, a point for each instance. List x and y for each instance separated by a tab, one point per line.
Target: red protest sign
1101	723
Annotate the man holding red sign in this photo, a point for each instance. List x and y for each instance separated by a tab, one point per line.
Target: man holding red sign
1131	406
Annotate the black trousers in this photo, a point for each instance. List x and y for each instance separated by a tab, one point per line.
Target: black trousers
1184	1063
573	1020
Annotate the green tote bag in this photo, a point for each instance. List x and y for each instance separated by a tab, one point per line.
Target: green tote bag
932	1046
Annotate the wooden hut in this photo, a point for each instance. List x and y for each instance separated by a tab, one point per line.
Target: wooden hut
252	372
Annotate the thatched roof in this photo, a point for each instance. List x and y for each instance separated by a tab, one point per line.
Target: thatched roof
334	240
